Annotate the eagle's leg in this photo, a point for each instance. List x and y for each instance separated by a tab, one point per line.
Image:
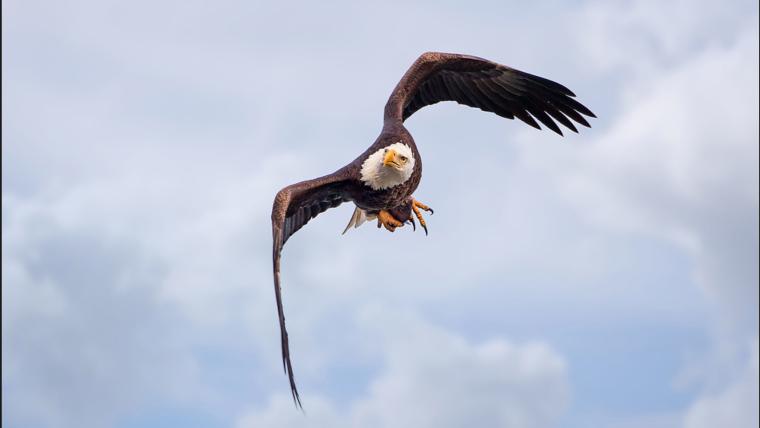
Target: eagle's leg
386	219
416	207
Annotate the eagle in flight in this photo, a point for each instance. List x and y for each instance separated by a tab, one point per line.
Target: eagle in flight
381	181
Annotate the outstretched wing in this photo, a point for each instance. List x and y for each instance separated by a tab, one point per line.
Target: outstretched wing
489	86
293	207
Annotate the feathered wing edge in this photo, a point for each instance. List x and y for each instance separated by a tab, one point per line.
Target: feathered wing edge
287	365
293	207
492	87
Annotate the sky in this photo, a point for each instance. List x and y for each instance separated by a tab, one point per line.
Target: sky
605	279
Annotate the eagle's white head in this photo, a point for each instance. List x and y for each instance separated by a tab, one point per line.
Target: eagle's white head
388	167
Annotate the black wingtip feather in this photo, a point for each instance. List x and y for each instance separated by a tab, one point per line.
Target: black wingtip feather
548	84
528	119
540	114
559	117
583	121
572	114
575	105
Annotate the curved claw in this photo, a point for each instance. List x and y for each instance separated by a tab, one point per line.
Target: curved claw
422	206
416	207
414	224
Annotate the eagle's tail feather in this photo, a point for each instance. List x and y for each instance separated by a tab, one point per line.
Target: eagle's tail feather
358	218
354	218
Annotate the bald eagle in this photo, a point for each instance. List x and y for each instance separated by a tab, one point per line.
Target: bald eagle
381	181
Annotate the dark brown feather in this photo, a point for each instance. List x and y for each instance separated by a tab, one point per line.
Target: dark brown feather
293	207
486	85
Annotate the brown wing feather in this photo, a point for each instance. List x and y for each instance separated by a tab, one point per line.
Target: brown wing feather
293	207
486	85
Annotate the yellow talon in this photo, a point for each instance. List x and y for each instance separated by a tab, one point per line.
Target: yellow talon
416	206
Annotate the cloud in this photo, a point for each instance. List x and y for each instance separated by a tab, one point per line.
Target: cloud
433	378
735	405
681	163
643	37
141	154
71	338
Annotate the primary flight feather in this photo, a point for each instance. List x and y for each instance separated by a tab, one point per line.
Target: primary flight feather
380	182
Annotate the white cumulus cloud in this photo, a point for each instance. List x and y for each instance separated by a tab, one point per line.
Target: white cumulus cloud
434	378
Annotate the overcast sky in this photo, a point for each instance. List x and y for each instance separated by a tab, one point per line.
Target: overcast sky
607	279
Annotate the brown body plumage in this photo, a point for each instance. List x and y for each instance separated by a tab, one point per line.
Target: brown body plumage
432	78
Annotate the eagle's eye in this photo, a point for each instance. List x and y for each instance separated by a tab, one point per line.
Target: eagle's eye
403	158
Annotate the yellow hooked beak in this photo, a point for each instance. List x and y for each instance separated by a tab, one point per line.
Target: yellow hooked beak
390	159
